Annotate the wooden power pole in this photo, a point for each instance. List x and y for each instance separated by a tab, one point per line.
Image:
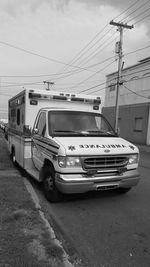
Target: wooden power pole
120	26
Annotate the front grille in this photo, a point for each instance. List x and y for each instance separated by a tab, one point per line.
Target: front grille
105	162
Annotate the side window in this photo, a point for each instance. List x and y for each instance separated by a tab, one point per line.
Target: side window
41	124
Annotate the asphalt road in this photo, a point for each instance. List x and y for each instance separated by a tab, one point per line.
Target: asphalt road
106	229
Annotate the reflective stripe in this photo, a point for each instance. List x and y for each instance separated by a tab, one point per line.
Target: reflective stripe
46	141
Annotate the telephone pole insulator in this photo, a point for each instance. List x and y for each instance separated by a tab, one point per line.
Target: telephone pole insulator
120	26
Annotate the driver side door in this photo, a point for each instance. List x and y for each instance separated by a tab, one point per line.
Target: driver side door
37	140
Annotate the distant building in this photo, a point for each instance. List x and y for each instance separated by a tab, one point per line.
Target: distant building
134	102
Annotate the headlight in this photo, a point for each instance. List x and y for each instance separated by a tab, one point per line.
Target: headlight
133	159
69	162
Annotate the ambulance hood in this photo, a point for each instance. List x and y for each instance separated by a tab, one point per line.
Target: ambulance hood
95	145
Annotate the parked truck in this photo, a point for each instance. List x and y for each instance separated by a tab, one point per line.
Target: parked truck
65	143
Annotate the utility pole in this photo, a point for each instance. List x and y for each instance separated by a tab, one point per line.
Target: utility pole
48	84
120	26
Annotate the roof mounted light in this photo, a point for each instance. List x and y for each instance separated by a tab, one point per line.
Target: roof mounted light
65	97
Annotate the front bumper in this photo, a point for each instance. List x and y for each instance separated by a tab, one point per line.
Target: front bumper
81	183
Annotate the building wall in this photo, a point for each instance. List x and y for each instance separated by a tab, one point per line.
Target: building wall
134	102
133	121
135	88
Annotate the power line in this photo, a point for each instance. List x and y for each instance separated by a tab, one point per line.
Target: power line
127	9
123	75
92	75
80	52
140	14
136	93
104	88
90	66
139	7
137	50
38	55
83	50
85	59
142	19
93	54
103	30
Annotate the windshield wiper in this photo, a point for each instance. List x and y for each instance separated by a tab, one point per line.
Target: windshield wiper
87	133
102	132
71	131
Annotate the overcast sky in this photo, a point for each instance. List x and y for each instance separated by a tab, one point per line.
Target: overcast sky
40	38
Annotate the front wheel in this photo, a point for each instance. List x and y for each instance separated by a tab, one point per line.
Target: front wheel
51	192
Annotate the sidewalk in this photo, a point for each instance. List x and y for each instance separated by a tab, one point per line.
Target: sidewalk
144	148
24	239
144	156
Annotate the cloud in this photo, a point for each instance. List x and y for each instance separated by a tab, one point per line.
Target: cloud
12	7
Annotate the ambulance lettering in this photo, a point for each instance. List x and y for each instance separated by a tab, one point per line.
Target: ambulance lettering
102	146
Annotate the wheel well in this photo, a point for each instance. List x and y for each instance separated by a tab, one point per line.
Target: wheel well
47	163
12	149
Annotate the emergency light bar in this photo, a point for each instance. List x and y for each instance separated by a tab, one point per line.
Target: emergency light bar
63	96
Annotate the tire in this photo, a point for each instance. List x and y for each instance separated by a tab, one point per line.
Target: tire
123	190
13	156
51	192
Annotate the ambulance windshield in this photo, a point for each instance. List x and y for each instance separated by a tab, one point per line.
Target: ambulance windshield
78	123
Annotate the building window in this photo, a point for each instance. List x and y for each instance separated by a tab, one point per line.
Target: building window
112	87
134	78
18	116
138	124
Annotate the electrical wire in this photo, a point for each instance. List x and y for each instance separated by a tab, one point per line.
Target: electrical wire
91	76
68	65
76	58
93	54
90	66
29	83
141	19
139	14
38	55
137	50
136	93
127	9
130	80
83	50
137	9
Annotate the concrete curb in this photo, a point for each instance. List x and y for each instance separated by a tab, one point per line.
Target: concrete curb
35	199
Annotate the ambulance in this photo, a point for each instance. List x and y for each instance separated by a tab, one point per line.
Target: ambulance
65	143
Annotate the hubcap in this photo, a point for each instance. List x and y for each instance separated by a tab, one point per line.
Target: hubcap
14	158
49	183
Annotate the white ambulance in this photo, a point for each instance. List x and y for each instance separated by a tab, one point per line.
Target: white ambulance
65	143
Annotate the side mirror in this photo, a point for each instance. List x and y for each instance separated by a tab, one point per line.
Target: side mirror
35	131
